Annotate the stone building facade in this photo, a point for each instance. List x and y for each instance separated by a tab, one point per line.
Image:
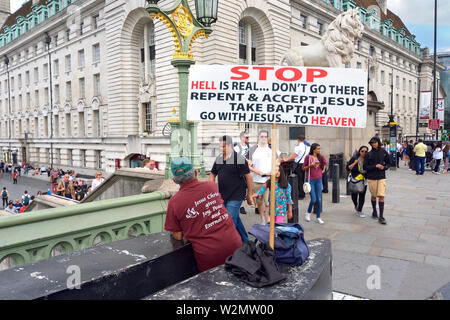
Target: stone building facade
114	88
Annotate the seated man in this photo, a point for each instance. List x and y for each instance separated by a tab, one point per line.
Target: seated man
197	212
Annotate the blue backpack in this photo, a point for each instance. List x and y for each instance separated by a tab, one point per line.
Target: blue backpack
290	246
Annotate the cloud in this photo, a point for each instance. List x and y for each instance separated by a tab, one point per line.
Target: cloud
420	11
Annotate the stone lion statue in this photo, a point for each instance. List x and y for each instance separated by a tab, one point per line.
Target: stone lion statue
336	47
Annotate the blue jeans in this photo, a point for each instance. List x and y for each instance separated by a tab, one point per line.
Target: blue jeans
316	196
420	164
233	207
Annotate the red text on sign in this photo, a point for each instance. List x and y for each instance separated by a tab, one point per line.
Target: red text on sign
283	74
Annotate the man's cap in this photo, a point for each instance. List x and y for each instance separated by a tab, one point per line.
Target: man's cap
180	166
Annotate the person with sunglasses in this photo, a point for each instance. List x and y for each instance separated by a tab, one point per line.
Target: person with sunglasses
243	146
356	168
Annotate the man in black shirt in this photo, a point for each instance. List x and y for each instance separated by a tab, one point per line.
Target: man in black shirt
234	179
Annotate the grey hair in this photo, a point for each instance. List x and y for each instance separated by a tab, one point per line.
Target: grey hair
182	178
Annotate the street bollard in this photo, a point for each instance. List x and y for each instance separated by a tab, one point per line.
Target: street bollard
335	179
293	181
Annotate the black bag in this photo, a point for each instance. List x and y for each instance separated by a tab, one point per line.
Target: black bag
255	265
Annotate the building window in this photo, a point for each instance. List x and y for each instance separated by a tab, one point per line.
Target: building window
82	85
28	100
97	84
98	158
45	71
95	20
27	78
19	81
56	67
69	90
397	82
371	51
148	117
68	125
83	158
56	125
303	21
81	130
96	53
358	65
36	97
47	95
57	93
36	75
320	28
68	63
67	35
81	28
243	44
36	127
97	123
81	59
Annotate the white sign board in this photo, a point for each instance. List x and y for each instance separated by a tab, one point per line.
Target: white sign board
425	105
306	96
440	109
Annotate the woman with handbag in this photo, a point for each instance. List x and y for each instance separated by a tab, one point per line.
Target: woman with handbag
357	179
314	166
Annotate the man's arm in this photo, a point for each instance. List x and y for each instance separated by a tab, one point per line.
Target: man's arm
291	157
366	165
249	180
212	177
387	161
177	235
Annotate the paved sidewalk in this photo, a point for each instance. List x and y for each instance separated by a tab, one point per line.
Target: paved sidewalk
412	251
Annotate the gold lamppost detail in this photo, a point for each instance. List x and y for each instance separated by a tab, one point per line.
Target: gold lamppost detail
184	29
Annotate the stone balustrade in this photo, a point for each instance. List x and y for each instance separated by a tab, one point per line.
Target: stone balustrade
47	233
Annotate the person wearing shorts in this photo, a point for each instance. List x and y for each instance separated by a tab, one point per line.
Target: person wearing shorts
375	164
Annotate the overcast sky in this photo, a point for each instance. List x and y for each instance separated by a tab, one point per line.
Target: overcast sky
418	16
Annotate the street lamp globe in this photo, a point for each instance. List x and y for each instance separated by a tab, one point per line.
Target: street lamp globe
206	11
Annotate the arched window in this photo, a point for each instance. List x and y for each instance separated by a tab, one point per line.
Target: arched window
247	44
148	39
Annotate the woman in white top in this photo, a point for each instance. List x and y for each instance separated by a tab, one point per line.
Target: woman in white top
438	155
97	181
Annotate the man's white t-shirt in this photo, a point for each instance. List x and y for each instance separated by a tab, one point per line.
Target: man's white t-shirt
301	150
262	160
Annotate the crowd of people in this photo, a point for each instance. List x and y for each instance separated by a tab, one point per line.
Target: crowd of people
243	173
66	183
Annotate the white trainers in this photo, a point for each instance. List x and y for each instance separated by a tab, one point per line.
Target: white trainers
320	221
308	217
361	215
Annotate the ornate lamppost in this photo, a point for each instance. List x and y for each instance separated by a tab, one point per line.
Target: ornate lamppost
184	28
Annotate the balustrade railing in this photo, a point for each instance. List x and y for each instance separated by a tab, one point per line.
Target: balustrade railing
47	233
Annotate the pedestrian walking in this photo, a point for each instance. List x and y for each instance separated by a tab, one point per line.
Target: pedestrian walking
438	155
314	167
26	198
15	175
235	182
283	199
420	151
376	163
260	161
5	197
446	154
356	168
299	155
196	213
410	154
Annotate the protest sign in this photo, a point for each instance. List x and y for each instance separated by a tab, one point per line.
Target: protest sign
306	96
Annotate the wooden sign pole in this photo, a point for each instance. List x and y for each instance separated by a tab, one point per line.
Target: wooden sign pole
272	186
